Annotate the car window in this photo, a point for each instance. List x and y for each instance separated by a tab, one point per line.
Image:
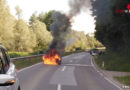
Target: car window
4	61
6	56
1	64
1	67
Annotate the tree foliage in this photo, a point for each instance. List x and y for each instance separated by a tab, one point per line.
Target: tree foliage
112	29
46	18
6	25
17	35
43	36
80	41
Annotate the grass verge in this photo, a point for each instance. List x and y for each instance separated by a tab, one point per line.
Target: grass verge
18	54
113	62
125	80
28	62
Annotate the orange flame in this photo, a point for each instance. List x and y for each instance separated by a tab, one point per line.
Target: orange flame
52	58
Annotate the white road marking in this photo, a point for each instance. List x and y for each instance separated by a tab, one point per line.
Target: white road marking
92	61
78	65
66	78
63	69
113	83
59	87
110	81
71	61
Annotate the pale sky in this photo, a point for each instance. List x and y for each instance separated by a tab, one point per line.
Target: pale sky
82	22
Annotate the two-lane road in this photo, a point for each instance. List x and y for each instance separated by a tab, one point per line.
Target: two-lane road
77	72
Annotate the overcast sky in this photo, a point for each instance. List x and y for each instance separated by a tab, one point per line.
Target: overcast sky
83	22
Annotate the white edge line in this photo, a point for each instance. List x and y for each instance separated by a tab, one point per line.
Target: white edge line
59	87
113	83
63	69
105	77
28	67
92	62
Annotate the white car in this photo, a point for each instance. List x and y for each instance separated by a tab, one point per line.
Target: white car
8	74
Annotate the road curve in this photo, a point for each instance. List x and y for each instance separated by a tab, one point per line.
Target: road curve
76	73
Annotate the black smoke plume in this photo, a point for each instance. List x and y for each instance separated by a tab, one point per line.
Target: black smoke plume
59	28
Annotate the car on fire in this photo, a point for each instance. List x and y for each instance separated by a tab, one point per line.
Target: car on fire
8	74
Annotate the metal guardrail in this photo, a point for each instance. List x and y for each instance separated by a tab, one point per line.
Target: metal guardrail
26	57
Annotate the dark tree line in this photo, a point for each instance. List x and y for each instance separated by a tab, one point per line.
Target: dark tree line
112	28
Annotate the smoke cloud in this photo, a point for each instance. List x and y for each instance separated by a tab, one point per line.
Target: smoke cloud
99	8
61	25
76	6
60	29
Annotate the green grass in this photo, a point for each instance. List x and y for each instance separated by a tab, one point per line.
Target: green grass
113	62
18	54
125	80
28	62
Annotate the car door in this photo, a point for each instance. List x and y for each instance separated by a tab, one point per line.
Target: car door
6	66
2	72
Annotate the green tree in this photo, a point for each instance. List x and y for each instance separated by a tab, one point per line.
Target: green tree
46	18
6	25
18	12
43	36
80	41
113	29
33	18
25	39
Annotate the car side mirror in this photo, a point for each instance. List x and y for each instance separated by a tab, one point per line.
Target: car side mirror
6	80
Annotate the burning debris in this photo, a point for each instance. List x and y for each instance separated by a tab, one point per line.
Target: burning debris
59	28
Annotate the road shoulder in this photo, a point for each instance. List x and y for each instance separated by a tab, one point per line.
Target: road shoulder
111	74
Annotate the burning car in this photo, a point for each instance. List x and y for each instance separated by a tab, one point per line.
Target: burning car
52	58
59	30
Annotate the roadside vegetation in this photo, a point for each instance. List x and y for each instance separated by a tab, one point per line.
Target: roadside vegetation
113	62
113	31
125	79
27	62
18	54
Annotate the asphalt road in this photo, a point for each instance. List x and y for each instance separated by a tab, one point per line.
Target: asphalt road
77	72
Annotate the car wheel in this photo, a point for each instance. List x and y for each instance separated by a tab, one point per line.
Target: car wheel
58	62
